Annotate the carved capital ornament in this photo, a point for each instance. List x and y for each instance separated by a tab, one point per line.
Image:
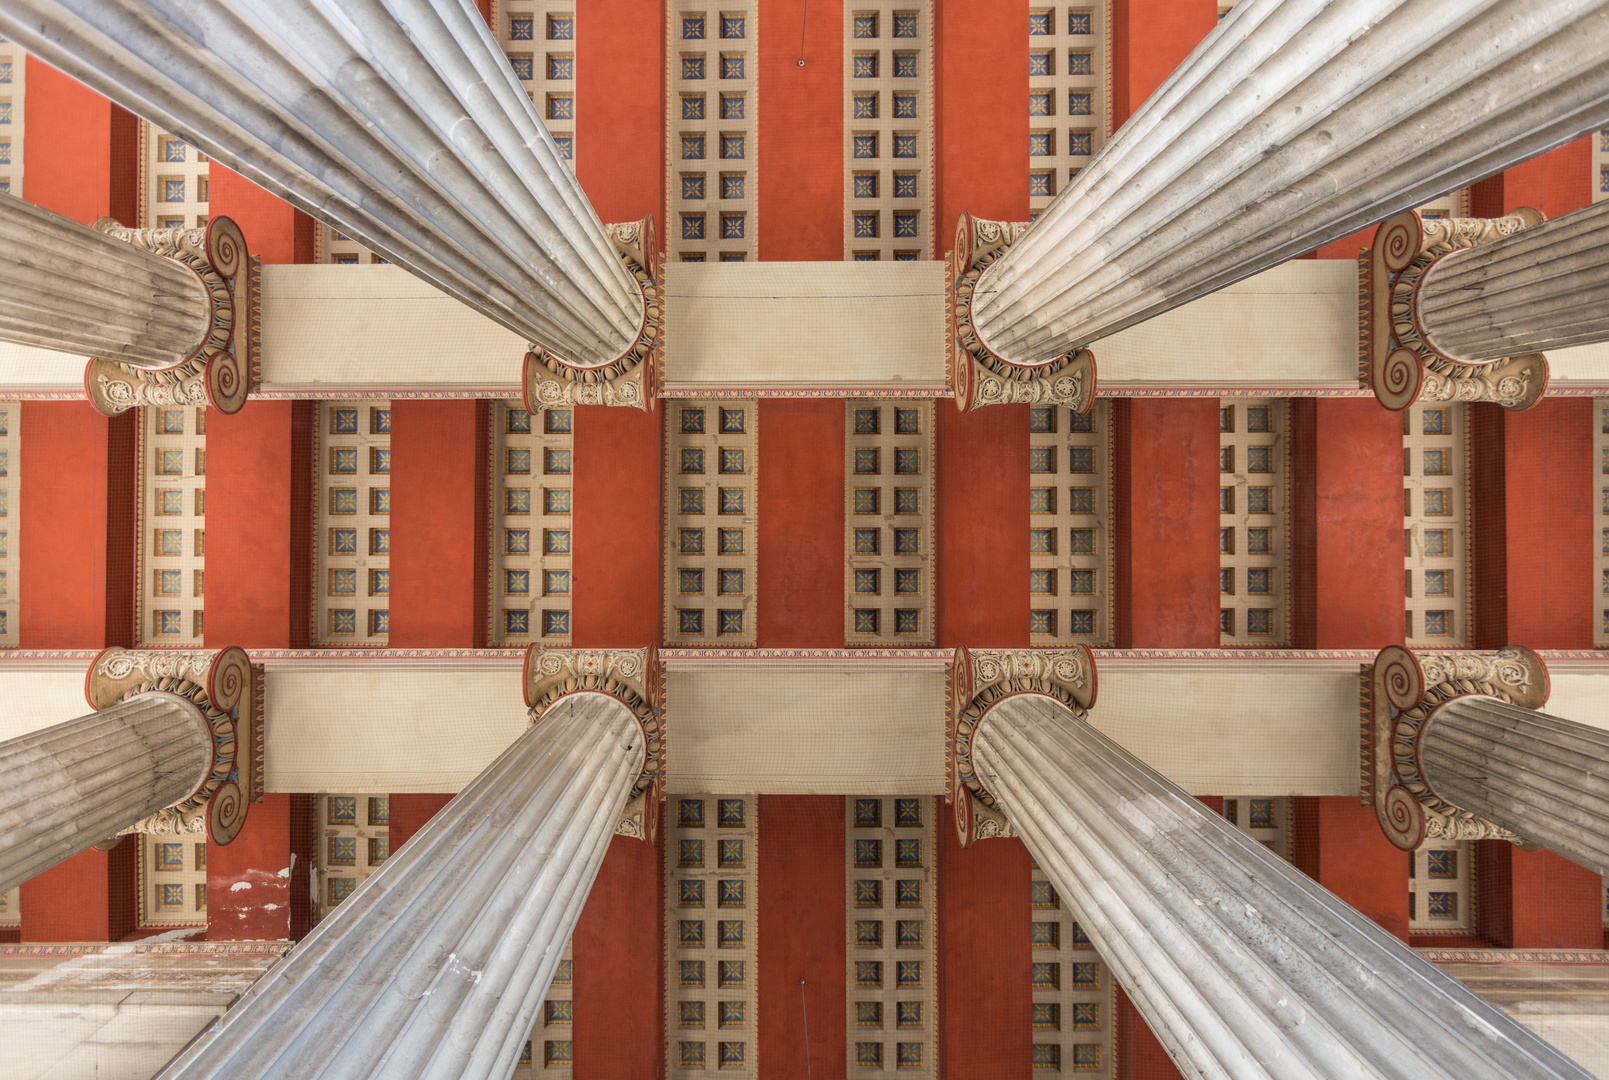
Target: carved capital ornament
978	375
225	366
228	691
976	681
549	381
1395	356
635	678
1400	691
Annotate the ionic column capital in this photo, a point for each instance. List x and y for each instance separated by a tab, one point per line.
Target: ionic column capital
975	681
631	379
1396	357
1399	692
227	690
978	375
635	678
226	366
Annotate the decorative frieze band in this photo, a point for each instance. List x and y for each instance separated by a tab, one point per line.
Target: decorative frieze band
228	690
635	678
549	381
226	367
978	680
978	375
1399	692
1396	358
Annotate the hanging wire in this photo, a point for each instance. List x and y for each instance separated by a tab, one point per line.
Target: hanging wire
803	1008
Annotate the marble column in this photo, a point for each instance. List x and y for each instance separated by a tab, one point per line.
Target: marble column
1541	777
397	122
1241	964
1248	156
73	785
67	287
1545	287
437	964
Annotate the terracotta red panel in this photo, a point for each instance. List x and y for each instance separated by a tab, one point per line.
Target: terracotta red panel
1550	485
122	482
251	531
1173	522
1337	841
435	548
618	559
802	932
985	989
125	166
67	165
411	812
801	127
1357	863
1360	602
1487	592
1536	899
1303	516
1149	39
620	95
1305	834
61	546
92	896
1555	182
270	224
619	967
801	526
981	526
981	130
1140	1055
303	829
1345	248
249	879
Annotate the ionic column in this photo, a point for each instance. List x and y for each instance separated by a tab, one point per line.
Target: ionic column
73	785
437	964
1398	357
1467	756
1545	287
171	748
1247	156
1542	777
168	316
73	289
1241	964
398	122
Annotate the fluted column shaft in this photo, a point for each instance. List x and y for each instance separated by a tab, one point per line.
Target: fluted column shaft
1545	287
1241	964
67	787
70	288
436	966
398	122
1540	776
1294	123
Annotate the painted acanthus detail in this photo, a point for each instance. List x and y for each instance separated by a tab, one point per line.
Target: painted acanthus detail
975	682
1395	357
225	367
978	375
635	678
226	688
1406	687
549	381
